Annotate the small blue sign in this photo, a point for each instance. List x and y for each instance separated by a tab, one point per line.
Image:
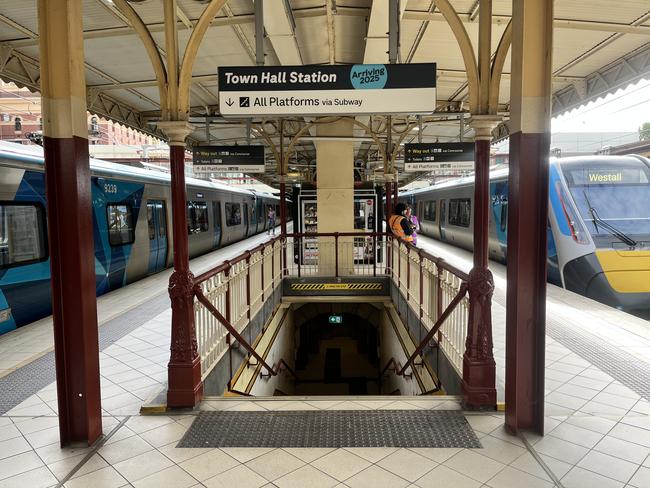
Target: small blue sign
368	76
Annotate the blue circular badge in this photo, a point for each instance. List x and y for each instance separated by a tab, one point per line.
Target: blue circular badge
368	76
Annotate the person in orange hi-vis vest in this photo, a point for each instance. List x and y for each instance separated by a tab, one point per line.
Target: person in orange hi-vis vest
399	224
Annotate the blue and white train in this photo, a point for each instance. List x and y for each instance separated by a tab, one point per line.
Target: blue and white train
598	227
131	227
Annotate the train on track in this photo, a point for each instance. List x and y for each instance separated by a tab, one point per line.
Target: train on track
598	226
131	227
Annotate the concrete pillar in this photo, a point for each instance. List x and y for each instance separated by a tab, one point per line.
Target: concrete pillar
185	388
530	119
335	193
479	369
70	225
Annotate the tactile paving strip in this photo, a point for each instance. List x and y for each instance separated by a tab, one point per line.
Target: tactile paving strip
19	385
331	428
620	365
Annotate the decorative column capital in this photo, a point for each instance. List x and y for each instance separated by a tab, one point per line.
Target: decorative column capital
176	131
483	126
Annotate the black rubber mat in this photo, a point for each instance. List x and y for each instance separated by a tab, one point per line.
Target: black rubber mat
331	428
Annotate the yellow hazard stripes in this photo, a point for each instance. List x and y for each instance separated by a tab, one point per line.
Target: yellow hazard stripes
335	286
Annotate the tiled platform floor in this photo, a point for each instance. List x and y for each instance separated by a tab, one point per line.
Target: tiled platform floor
598	431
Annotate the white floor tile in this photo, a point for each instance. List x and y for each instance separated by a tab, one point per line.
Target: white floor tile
172	477
374	477
474	465
341	464
208	464
608	466
102	478
641	478
141	466
513	478
582	478
237	477
622	449
35	478
306	476
14	465
407	464
442	476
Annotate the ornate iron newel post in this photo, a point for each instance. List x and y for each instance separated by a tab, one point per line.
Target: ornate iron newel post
185	388
479	369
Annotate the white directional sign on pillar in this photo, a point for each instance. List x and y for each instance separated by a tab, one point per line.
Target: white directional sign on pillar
327	90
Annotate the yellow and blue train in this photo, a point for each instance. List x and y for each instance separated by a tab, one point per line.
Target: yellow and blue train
131	227
598	226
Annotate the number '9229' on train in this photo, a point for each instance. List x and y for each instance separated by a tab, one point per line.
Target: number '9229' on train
598	226
131	227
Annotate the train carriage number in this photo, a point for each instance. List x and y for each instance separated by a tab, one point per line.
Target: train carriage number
110	188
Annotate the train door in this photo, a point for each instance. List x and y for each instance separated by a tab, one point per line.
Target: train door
157	222
216	212
442	219
246	219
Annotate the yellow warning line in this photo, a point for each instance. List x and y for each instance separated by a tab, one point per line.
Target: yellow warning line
335	286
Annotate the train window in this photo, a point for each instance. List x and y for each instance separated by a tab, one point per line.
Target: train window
22	234
460	210
150	221
233	214
430	210
197	217
120	224
162	219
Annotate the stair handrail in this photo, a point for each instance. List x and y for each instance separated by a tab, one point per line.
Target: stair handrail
450	308
213	310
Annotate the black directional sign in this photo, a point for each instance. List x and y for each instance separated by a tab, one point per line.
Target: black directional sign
239	159
327	89
457	156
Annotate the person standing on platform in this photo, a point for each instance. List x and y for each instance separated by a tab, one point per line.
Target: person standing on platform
271	217
415	224
399	225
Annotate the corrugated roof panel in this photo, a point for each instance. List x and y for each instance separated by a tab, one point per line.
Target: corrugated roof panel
151	12
311	33
123	58
220	47
567	46
23	12
601	10
603	56
98	16
350	42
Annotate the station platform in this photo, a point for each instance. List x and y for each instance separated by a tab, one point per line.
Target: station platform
597	409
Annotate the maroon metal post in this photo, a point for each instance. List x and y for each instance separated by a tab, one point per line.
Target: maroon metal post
531	88
395	192
336	254
185	388
389	203
479	369
70	224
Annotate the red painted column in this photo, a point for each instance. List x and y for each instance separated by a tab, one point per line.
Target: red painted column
528	213
283	208
70	224
389	201
395	191
185	388
479	369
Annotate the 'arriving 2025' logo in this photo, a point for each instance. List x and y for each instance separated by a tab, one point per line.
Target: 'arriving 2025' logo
368	76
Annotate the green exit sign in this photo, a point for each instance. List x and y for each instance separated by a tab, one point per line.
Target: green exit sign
336	319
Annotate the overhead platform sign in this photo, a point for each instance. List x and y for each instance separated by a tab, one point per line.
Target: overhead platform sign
327	90
455	156
238	159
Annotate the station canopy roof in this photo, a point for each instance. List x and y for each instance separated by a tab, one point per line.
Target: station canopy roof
599	47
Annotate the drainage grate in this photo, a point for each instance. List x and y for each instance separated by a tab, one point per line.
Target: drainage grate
336	428
19	385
